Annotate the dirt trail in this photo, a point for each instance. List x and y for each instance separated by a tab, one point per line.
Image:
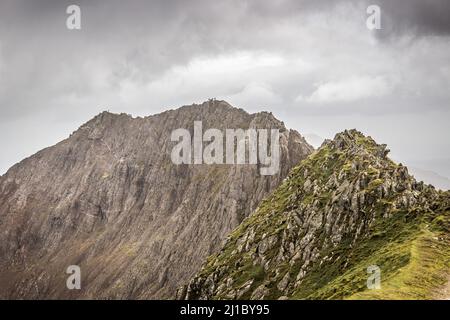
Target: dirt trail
444	292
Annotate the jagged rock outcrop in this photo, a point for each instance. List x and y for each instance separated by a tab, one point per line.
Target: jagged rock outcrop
344	209
110	200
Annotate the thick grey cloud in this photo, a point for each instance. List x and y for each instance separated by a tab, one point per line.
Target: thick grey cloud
313	63
416	17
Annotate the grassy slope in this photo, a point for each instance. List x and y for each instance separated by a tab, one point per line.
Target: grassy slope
414	258
424	274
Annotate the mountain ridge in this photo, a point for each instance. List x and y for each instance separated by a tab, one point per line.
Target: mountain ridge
345	208
110	200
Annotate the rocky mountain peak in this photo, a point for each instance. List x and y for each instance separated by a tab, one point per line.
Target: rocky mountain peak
345	208
357	142
110	200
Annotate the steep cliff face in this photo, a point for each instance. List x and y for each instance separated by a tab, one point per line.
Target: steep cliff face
345	210
110	200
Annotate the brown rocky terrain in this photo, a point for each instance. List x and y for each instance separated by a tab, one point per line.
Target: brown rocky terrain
110	200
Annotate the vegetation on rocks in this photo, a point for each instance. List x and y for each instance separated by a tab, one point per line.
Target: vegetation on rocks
343	209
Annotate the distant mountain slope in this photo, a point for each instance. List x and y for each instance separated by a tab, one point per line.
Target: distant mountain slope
431	177
314	139
345	209
110	200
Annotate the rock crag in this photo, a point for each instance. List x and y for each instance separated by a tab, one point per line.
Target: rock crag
342	214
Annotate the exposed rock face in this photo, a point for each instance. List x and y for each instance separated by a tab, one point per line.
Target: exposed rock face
110	200
345	208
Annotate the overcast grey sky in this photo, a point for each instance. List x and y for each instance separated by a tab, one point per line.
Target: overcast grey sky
314	64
